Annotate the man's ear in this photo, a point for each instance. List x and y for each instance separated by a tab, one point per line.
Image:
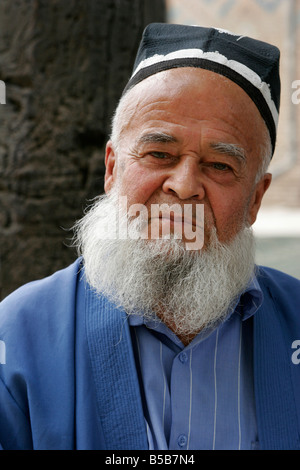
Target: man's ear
110	166
259	191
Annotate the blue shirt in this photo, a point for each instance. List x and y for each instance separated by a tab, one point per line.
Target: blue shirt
69	378
200	396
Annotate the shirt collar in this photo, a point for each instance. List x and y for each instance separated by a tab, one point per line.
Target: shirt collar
251	299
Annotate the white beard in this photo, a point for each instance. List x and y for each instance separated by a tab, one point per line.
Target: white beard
189	290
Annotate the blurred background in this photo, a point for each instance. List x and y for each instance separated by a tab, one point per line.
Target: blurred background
65	65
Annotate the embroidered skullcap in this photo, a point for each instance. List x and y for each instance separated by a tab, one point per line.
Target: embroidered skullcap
252	64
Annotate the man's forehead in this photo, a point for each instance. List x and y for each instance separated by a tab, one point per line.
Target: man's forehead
170	86
187	98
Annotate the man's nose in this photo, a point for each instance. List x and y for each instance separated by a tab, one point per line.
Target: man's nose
185	180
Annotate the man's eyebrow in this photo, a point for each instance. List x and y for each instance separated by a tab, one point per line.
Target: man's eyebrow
233	150
156	137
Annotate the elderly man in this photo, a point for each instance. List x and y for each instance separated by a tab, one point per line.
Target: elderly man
164	334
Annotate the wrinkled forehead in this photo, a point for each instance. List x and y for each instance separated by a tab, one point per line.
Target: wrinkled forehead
195	94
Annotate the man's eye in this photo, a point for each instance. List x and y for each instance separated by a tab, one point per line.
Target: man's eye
159	155
221	166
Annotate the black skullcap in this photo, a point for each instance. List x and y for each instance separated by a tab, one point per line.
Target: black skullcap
252	64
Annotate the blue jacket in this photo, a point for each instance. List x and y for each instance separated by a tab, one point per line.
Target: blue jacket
68	378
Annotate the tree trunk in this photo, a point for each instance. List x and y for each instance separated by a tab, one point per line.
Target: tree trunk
64	65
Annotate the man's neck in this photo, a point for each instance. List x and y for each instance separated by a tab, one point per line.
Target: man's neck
186	339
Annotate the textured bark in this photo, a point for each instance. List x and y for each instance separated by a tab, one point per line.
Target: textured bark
64	65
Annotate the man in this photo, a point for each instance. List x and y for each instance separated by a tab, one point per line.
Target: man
158	338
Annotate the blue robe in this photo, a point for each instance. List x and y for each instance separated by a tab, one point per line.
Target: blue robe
68	378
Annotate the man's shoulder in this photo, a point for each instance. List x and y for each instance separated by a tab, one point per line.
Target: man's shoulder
36	298
283	289
37	351
277	279
38	321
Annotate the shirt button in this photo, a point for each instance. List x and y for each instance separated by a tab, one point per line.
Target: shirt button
183	357
182	440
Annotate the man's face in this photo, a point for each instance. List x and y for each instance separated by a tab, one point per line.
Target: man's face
192	137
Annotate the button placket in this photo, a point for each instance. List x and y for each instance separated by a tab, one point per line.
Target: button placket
180	383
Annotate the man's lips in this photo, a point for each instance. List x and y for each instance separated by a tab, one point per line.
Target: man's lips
177	218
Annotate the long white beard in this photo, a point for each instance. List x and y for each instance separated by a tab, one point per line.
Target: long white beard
187	289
